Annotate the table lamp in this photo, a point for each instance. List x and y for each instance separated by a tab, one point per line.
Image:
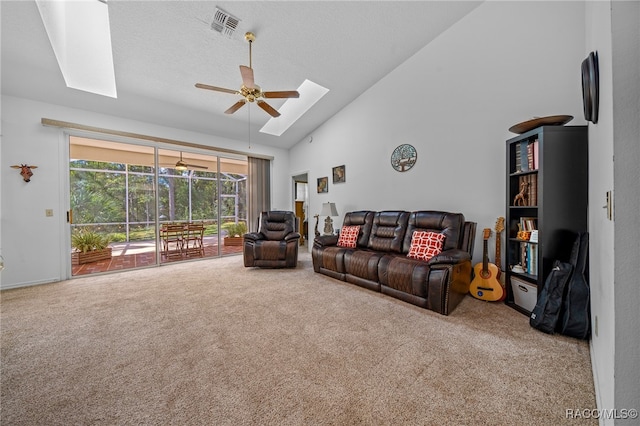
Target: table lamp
328	209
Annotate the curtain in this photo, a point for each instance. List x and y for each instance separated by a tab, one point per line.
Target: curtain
259	191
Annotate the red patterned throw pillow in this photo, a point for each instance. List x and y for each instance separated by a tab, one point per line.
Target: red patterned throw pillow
425	244
348	236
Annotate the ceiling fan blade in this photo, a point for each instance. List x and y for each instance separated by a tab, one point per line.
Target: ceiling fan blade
214	88
235	106
247	76
282	94
196	166
268	108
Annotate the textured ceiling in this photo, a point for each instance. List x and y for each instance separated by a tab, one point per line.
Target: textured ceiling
162	48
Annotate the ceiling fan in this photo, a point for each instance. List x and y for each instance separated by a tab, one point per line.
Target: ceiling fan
181	165
250	91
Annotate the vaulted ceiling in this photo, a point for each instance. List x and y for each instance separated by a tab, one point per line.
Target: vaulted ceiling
162	48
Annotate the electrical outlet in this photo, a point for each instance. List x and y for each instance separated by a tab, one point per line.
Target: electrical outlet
48	212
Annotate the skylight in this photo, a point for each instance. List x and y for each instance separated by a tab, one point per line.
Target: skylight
294	108
81	40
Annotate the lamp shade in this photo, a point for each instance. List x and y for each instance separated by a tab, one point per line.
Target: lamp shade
329	209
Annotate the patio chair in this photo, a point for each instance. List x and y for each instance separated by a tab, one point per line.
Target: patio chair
193	235
172	235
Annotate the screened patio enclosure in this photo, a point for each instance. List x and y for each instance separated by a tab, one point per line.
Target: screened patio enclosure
129	193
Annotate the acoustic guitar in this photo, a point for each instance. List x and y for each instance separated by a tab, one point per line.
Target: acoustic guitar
485	284
498	259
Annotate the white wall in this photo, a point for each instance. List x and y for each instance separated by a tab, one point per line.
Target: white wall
33	245
625	17
612	30
601	229
503	63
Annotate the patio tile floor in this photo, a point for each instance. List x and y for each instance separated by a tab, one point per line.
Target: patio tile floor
140	254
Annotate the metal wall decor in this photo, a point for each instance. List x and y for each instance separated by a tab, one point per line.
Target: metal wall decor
404	157
25	171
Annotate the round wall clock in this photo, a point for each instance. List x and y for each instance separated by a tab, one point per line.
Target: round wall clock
403	157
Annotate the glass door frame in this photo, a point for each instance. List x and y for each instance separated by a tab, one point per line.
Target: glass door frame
65	222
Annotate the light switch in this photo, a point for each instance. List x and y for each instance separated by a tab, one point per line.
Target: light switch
48	212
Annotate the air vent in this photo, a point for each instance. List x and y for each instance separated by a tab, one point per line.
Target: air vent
224	23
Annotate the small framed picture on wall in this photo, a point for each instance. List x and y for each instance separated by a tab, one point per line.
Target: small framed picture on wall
339	174
323	184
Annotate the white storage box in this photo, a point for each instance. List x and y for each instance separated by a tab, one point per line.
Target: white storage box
525	294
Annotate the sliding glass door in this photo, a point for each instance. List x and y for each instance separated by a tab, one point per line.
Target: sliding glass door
188	194
117	188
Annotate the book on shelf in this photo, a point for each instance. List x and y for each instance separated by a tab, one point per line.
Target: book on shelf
533	188
532	259
526	156
524	160
528	258
528	223
532	155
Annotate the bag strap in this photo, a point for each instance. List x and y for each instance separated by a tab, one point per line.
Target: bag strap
583	253
575	250
580	252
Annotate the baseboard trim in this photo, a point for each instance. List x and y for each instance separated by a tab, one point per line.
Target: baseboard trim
30	283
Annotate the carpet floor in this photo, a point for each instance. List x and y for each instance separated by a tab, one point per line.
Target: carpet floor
214	343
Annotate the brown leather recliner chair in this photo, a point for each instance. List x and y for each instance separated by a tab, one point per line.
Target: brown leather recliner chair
275	245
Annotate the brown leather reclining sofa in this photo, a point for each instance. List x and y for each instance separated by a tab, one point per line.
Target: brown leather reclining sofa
379	261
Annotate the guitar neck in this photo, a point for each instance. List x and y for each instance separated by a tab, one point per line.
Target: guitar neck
485	257
499	229
498	256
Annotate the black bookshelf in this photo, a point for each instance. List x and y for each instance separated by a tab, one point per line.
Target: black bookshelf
556	171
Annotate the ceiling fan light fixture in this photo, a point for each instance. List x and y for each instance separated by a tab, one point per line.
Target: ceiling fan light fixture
250	91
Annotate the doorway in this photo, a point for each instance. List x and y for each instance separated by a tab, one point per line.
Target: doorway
301	205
